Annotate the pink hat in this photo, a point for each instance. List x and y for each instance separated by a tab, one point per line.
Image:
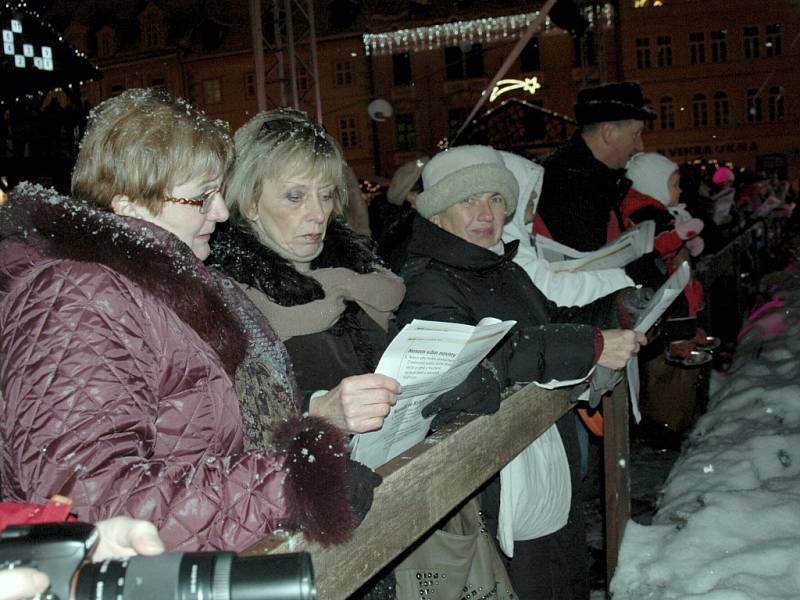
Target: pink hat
723	175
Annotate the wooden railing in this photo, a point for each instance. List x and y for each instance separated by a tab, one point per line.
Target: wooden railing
427	482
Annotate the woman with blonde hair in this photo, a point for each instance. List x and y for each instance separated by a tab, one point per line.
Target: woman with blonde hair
121	352
318	282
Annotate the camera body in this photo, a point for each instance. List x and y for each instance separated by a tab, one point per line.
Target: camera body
58	549
63	552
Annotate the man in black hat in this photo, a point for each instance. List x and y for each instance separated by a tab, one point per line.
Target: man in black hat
584	179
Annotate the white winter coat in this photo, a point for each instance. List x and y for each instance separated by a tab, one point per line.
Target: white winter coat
565	289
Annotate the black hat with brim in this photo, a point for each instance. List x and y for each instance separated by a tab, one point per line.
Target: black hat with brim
612	102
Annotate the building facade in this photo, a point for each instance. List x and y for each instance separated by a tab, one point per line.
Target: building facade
722	77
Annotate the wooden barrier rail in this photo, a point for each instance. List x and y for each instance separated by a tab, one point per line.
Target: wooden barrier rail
423	485
430	480
427	482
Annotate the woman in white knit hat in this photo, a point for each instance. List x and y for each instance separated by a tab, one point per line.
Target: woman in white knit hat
459	270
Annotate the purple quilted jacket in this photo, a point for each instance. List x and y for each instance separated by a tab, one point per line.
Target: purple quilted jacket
117	354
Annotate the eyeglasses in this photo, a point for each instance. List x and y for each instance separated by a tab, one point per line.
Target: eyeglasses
204	201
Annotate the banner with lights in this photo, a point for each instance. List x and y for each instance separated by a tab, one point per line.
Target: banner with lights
23	48
36	59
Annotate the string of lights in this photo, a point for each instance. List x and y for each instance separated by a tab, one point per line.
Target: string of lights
486	30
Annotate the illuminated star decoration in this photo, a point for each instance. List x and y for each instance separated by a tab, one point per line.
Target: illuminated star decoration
529	84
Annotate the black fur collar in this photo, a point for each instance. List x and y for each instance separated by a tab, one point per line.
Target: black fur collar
237	253
148	255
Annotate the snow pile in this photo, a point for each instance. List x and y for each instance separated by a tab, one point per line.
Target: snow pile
728	523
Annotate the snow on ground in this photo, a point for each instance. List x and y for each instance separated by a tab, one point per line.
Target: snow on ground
728	524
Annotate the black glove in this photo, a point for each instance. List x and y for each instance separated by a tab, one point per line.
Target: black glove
361	484
478	394
633	303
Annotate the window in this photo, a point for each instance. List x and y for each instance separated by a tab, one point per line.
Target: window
343	73
775	103
461	64
722	109
302	79
250	85
151	34
699	111
348	132
774	45
697	48
719	46
664	50
530	58
752	43
455	119
105	43
212	90
585	50
405	132
401	68
755	110
643	53
666	113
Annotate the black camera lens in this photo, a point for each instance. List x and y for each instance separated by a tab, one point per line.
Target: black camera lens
199	576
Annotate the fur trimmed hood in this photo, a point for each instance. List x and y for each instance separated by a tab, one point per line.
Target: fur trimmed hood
238	253
61	227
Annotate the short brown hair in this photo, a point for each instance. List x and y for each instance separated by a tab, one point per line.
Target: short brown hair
144	142
276	142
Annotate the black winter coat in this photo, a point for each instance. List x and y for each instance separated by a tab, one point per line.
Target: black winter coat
450	279
578	194
353	346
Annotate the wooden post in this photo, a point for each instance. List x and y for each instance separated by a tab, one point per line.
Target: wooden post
616	451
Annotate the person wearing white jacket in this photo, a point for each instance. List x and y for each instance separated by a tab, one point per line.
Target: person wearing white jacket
564	288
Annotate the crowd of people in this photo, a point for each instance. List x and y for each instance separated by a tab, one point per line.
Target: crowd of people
190	337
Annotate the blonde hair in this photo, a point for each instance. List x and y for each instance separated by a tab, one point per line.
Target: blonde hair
143	143
277	143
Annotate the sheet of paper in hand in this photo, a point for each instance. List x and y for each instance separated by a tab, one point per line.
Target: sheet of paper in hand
428	358
658	304
631	245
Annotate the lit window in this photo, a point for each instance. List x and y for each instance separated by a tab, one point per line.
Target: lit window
722	109
212	90
775	103
755	109
699	111
667	113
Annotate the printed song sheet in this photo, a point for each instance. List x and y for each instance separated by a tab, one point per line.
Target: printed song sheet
632	244
428	358
659	303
